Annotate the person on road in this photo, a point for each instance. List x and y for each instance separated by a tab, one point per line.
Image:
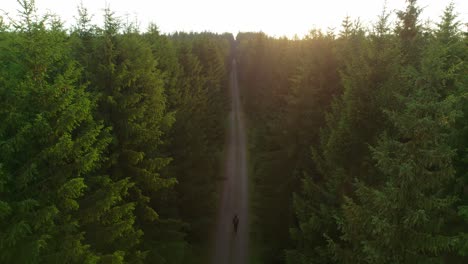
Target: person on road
235	222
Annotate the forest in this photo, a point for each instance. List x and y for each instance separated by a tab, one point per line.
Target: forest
112	140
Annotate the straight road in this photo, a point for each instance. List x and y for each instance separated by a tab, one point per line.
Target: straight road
232	247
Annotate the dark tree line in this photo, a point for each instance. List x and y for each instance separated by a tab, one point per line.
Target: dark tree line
359	142
110	140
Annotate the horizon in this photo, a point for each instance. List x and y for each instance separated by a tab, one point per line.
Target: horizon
300	17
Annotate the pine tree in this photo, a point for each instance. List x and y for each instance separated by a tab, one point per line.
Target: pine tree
318	200
342	155
313	88
402	216
166	56
197	98
402	220
409	31
133	103
449	70
50	144
192	143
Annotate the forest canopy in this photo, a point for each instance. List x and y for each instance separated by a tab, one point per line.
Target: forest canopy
112	140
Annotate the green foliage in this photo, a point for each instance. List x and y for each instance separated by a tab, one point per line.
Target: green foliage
353	123
265	64
402	218
387	172
199	101
111	141
288	85
87	136
50	143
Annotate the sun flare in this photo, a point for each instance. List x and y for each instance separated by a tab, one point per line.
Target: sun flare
277	18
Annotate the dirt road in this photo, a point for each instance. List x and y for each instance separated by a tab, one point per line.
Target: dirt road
232	247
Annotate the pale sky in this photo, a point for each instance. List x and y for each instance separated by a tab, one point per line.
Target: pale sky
274	17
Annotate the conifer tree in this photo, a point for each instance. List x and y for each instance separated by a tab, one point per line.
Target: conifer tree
50	144
449	45
402	216
410	34
402	220
356	118
316	203
134	104
198	134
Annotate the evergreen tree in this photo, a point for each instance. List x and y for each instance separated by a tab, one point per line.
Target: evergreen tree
409	31
196	139
266	66
111	141
356	118
449	45
134	104
50	144
401	216
402	220
323	187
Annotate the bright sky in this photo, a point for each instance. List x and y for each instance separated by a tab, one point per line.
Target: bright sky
275	17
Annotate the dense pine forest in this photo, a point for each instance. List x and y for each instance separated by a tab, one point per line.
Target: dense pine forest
359	142
112	140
